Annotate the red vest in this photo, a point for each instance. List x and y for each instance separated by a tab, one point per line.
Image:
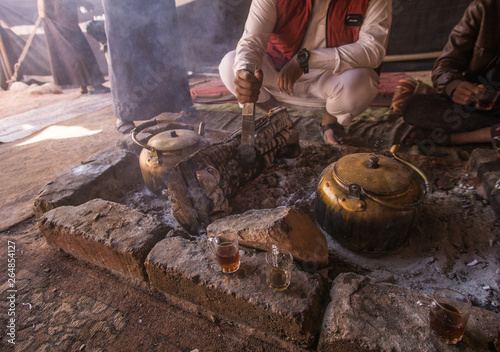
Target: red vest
293	19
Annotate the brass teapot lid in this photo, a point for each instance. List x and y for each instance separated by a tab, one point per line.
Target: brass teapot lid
172	140
376	174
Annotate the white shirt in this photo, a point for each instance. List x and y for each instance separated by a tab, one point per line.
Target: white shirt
368	51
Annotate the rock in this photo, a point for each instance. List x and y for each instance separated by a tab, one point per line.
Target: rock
285	227
491	184
108	175
484	160
188	270
47	88
368	316
486	163
106	234
18	86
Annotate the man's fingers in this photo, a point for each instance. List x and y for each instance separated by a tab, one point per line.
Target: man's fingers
259	75
467	92
248	76
247	86
246	93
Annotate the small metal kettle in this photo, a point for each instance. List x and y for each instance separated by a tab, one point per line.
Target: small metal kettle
164	150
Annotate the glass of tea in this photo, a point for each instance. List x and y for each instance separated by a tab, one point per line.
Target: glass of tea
226	250
487	98
279	264
448	314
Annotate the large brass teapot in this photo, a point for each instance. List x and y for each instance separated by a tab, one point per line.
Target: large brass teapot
164	150
370	202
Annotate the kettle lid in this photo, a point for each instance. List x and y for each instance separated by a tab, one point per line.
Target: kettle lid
376	174
172	140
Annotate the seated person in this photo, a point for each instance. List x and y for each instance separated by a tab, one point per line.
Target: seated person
467	67
307	60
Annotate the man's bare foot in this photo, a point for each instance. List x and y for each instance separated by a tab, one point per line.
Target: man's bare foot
333	132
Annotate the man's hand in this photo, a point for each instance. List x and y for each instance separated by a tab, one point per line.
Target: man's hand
467	92
247	85
87	5
289	74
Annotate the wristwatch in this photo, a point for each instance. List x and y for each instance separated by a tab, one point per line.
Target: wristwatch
303	59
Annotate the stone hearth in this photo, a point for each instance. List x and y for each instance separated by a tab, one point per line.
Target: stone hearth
101	214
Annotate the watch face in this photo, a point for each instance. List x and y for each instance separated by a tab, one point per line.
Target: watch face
302	56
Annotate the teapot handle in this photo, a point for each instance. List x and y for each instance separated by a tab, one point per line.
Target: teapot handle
154	122
428	188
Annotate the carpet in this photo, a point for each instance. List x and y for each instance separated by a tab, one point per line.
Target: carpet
212	90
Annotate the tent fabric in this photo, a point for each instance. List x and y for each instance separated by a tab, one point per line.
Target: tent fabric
15	13
18	12
421	27
71	58
35	63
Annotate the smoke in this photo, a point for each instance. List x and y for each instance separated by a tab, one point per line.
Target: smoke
210	29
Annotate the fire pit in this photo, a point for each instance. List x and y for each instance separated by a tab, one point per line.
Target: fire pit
104	202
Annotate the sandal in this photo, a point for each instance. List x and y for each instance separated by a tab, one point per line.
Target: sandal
124	127
339	134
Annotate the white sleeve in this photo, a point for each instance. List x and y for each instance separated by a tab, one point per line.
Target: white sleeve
260	23
368	51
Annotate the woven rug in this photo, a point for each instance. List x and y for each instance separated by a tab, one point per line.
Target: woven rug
212	90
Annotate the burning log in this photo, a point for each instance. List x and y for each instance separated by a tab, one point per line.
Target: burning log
200	186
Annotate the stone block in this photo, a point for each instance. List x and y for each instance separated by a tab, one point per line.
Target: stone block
491	185
108	174
368	316
103	233
484	160
285	227
188	270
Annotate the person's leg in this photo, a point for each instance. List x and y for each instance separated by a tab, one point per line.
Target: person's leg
440	121
346	95
482	135
226	72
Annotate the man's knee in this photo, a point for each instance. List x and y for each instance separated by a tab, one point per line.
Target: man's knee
417	108
226	70
364	80
358	87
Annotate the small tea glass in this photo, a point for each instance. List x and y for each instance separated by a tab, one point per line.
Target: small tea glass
279	264
487	98
449	313
226	250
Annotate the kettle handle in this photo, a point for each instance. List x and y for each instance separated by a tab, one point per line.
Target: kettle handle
428	188
154	122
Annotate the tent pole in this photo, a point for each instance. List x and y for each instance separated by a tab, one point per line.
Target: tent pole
5	59
24	52
411	57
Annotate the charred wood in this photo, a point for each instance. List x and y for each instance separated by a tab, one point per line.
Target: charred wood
200	186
